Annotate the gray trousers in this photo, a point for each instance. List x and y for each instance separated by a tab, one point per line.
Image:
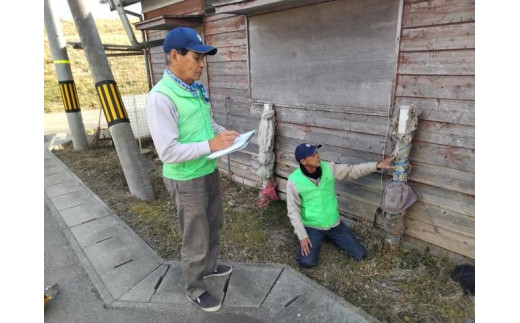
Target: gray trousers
199	207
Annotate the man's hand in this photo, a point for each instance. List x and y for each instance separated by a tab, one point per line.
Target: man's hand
223	140
385	163
306	246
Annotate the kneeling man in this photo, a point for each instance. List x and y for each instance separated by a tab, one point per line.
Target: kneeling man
312	206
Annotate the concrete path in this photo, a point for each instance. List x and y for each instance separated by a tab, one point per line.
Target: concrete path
128	274
56	122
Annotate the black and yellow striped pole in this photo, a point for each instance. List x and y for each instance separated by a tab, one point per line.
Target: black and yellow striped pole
69	96
115	113
65	80
112	103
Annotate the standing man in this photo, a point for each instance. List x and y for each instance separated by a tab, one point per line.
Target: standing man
183	131
312	206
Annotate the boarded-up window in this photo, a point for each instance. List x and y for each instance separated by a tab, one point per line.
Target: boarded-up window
341	53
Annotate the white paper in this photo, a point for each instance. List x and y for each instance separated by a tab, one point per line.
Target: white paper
240	143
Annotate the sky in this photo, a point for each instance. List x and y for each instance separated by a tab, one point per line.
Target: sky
61	9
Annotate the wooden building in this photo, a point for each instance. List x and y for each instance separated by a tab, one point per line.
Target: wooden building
336	73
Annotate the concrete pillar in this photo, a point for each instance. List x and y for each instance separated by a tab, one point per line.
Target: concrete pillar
117	119
65	80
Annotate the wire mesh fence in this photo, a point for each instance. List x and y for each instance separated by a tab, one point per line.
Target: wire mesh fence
129	70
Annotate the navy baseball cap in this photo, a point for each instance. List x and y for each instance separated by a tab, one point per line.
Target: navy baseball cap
304	150
184	37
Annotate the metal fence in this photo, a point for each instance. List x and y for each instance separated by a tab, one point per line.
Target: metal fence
130	72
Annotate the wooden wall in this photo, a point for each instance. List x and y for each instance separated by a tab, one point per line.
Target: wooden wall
353	131
156	55
436	72
228	77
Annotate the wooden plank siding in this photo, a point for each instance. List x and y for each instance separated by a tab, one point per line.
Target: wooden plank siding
430	13
156	55
461	62
436	72
443	110
444	37
228	76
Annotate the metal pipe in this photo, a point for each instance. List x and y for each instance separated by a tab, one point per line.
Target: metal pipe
145	50
126	24
131	36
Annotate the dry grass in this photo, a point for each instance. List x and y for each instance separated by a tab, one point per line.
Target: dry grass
407	286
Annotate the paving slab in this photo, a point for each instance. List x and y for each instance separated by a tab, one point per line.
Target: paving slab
93	232
63	188
143	291
56	179
89	210
115	251
314	306
120	280
287	288
52	167
250	285
67	201
171	289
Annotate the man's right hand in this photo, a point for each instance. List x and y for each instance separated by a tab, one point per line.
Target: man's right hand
223	140
306	246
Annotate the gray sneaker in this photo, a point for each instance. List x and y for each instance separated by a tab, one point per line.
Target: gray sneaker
206	302
222	270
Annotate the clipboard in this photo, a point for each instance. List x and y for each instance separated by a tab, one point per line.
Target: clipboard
240	143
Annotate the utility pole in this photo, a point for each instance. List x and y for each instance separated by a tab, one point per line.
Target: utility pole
113	108
68	91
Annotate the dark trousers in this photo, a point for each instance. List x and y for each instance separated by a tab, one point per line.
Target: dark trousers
199	208
340	235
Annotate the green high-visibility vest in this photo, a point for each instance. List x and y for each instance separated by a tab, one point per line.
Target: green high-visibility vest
319	206
194	125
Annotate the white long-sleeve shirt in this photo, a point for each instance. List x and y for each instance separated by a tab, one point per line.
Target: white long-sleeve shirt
340	172
162	117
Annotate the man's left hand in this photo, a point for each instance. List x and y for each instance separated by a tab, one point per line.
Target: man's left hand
385	163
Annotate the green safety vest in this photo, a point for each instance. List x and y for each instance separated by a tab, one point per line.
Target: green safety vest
194	125
319	207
